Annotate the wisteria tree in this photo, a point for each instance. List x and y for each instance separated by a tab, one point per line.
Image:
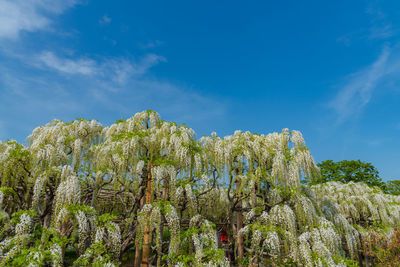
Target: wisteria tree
146	192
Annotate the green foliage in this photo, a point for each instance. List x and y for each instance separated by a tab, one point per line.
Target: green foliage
212	254
285	262
186	260
286	192
393	187
193	146
346	261
73	208
162	161
8	191
129	135
15	218
354	171
183	181
383	250
349	171
103	219
35	256
50	236
96	256
19	152
35	250
122	120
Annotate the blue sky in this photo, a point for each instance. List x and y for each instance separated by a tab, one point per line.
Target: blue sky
330	69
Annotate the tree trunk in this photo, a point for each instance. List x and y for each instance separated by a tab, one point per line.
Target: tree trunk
146	238
239	222
64	230
240	237
164	196
138	255
138	247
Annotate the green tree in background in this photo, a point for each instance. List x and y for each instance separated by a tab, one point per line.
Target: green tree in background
393	187
349	170
354	171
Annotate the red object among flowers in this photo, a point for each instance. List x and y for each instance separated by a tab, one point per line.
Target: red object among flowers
223	236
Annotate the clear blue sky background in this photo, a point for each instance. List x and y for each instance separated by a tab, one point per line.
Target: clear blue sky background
330	69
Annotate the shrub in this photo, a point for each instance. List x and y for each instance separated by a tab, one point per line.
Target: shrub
383	250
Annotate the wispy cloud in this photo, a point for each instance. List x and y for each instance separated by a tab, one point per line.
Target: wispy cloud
382	31
381	26
117	69
151	44
344	39
58	82
356	93
68	66
54	85
105	20
29	15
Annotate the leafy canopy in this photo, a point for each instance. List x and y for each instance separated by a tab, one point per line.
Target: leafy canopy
393	187
349	171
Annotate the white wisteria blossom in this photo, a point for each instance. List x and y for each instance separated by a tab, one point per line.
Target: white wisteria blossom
147	189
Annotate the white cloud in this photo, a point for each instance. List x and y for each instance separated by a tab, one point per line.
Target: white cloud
382	31
151	44
69	66
105	20
356	93
51	84
28	15
381	27
117	69
37	86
